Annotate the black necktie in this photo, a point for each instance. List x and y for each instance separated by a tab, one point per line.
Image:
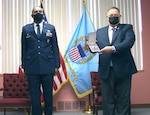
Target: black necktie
38	29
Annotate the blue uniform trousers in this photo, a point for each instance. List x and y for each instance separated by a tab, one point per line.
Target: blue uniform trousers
35	83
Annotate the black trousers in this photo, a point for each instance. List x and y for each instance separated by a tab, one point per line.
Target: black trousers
116	95
35	83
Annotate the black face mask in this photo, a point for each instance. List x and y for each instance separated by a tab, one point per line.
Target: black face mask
113	20
38	17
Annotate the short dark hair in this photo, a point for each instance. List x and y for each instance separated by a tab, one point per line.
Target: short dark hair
114	8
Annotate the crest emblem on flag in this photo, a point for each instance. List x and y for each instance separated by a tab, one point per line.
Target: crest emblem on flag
80	53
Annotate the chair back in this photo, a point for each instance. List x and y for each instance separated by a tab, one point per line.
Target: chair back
15	86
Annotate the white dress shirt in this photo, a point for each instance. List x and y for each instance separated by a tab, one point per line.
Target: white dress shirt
110	35
111	32
41	27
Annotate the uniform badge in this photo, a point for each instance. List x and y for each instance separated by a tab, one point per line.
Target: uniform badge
48	40
27	36
48	33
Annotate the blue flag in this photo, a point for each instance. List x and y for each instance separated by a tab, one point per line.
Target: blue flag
78	58
44	16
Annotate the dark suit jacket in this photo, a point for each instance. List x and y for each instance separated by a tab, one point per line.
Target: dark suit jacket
40	54
122	60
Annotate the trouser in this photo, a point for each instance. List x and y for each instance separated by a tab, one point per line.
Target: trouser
116	95
35	82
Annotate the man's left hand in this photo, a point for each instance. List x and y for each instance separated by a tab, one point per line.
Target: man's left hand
56	71
106	50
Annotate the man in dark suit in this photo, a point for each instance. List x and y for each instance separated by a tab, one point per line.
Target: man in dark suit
40	60
116	64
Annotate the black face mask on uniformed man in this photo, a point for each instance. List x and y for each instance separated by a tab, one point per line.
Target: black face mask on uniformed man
38	17
114	20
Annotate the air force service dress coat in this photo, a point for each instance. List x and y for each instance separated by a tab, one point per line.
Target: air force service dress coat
40	54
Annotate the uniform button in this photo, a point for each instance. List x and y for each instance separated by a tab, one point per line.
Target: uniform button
39	52
39	46
50	45
38	40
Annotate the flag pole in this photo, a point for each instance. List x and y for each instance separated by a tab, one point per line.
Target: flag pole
89	110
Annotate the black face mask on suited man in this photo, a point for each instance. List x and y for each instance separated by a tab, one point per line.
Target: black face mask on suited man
114	20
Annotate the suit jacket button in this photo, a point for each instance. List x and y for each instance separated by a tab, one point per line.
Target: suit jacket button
39	52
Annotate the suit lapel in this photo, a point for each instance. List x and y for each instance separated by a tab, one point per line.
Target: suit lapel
44	29
32	30
105	33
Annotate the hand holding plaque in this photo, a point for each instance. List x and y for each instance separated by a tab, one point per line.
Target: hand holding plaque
92	42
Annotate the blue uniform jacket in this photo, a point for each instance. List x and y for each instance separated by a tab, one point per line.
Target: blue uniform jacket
122	60
40	54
